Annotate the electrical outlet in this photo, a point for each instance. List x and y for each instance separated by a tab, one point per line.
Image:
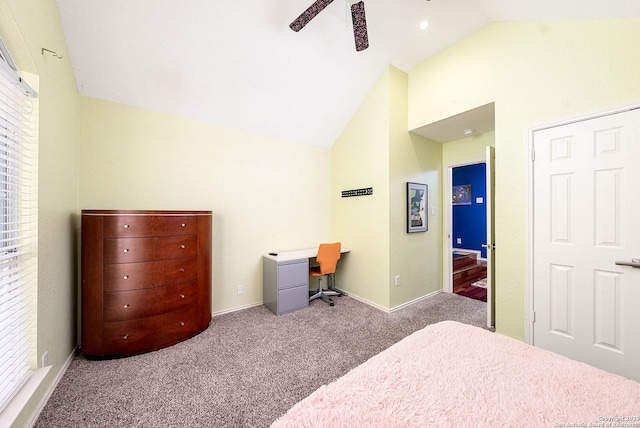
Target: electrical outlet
45	359
239	289
397	280
459	240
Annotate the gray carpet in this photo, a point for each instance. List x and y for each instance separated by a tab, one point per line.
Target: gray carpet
248	368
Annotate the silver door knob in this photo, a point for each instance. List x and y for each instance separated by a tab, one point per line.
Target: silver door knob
635	263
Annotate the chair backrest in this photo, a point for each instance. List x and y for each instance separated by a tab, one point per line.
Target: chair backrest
328	256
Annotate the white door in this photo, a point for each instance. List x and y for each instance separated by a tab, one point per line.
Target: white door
490	245
586	222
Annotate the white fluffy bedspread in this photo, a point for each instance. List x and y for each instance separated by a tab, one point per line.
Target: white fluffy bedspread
451	374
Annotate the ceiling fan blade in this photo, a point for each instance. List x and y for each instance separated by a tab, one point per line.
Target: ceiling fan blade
306	16
359	26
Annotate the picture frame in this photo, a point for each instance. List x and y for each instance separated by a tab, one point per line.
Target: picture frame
461	195
417	197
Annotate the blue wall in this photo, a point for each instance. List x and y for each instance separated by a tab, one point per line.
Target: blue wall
470	221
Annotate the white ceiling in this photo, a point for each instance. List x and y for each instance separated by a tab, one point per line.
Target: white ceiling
237	63
476	121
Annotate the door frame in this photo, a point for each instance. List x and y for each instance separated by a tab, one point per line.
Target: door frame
448	232
448	194
530	153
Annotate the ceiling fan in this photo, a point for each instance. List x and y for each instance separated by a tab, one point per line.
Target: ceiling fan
357	14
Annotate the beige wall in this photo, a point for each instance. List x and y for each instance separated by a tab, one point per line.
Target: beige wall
415	257
376	150
359	159
535	72
27	26
266	194
467	150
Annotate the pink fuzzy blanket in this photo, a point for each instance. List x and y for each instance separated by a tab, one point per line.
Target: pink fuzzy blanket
451	374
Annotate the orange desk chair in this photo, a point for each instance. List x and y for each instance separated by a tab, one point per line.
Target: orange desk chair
327	258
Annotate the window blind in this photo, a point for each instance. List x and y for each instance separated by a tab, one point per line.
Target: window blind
18	233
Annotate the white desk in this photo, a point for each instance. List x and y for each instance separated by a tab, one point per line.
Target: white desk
285	279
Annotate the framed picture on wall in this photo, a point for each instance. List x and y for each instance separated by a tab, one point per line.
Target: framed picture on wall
416	207
461	194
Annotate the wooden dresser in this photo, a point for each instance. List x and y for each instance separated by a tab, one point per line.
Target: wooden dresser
146	279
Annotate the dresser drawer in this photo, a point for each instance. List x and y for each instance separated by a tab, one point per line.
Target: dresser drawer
129	305
181	325
133	250
127	337
149	225
133	276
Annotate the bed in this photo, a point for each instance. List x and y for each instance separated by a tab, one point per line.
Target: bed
451	374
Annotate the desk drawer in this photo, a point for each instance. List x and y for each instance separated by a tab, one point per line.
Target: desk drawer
292	299
292	274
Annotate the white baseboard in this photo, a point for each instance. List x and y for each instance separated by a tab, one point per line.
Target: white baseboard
367	302
238	308
404	305
419	299
52	387
465	250
356	297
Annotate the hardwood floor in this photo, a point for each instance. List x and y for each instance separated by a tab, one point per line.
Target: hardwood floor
466	289
467	270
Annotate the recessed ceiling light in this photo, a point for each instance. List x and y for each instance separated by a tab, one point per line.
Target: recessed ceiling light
424	25
469	131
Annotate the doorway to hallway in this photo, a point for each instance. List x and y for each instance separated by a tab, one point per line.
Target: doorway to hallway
476	146
468	227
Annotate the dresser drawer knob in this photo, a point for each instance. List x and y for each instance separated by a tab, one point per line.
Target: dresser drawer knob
126	226
182	270
182	296
182	225
181	323
183	246
125	337
126	306
126	250
126	277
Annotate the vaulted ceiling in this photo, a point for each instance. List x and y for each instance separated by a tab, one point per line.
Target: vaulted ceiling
237	64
